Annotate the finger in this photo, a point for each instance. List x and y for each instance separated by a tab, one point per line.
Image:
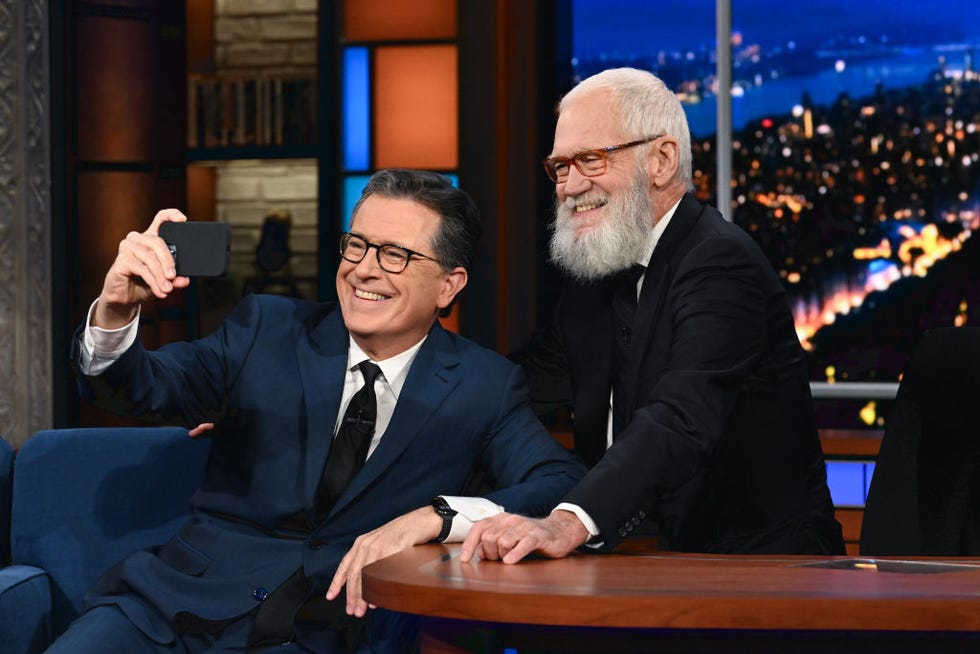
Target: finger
355	603
471	541
160	247
339	579
489	545
164	215
137	254
202	428
521	549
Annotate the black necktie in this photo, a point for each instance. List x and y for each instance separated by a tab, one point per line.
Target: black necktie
624	308
350	446
276	615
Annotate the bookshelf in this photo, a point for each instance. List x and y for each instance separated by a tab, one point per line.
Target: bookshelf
253	145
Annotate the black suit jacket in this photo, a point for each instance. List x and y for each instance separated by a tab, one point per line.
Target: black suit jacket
721	449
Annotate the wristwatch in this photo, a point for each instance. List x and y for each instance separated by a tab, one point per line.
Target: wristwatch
448	513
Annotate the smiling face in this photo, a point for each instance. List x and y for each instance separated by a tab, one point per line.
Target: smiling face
602	222
387	313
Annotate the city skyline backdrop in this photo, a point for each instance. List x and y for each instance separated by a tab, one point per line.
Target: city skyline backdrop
856	130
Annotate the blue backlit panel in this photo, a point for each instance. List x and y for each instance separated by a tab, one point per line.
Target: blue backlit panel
357	109
354	184
849	481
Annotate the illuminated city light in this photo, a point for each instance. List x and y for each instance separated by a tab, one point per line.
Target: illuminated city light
869	413
918	251
812	174
881	251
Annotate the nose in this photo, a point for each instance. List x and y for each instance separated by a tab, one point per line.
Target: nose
575	184
368	266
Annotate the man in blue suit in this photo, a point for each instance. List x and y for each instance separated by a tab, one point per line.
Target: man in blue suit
266	556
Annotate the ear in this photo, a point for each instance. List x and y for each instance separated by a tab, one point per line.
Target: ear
453	282
662	161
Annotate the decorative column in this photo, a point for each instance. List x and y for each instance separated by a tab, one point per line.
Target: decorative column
25	221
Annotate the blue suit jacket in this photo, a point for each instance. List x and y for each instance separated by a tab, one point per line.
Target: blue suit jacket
271	377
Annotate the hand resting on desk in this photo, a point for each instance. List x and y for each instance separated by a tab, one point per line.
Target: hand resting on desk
509	538
414	528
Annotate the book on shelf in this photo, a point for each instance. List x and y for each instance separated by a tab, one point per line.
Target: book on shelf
241	111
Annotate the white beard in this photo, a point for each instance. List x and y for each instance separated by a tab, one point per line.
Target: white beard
614	244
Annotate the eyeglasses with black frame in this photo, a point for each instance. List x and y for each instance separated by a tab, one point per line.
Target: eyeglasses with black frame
590	163
392	258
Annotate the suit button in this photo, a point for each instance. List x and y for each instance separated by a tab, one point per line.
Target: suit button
623	532
314	544
635	520
259	594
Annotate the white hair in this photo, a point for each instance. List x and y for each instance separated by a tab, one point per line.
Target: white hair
646	107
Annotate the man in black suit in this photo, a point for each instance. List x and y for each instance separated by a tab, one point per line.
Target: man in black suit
685	376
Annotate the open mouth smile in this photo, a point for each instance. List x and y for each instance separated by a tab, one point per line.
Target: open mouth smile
367	295
589	206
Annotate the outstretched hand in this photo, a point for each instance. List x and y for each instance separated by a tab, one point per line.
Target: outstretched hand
509	538
419	526
143	268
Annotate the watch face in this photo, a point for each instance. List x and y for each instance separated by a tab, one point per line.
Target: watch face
442	508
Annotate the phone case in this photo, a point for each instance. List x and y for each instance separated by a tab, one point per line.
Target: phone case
200	249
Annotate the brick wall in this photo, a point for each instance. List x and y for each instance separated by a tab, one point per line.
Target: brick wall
247	191
272	37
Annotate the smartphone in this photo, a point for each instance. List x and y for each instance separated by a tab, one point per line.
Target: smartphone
199	249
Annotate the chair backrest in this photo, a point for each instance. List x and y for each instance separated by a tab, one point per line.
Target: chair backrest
6	488
924	497
84	499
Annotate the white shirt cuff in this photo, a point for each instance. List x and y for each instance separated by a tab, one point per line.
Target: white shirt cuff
101	347
586	519
468	510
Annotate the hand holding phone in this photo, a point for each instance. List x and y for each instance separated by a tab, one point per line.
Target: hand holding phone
199	249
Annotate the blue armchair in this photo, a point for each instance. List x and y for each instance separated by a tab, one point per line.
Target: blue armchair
83	499
6	486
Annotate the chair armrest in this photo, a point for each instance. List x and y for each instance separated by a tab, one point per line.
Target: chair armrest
25	609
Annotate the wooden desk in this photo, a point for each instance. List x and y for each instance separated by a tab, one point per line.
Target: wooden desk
672	602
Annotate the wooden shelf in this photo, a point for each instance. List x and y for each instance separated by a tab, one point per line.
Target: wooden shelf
850	442
253	152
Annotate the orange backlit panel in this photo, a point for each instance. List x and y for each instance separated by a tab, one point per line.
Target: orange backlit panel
384	20
415	107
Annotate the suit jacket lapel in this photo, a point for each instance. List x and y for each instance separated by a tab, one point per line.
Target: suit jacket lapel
322	364
433	375
656	281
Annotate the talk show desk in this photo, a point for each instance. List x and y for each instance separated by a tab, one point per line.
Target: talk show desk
645	601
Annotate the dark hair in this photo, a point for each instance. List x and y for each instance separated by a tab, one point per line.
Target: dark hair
456	240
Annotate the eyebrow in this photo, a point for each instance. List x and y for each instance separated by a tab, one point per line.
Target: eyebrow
374	242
